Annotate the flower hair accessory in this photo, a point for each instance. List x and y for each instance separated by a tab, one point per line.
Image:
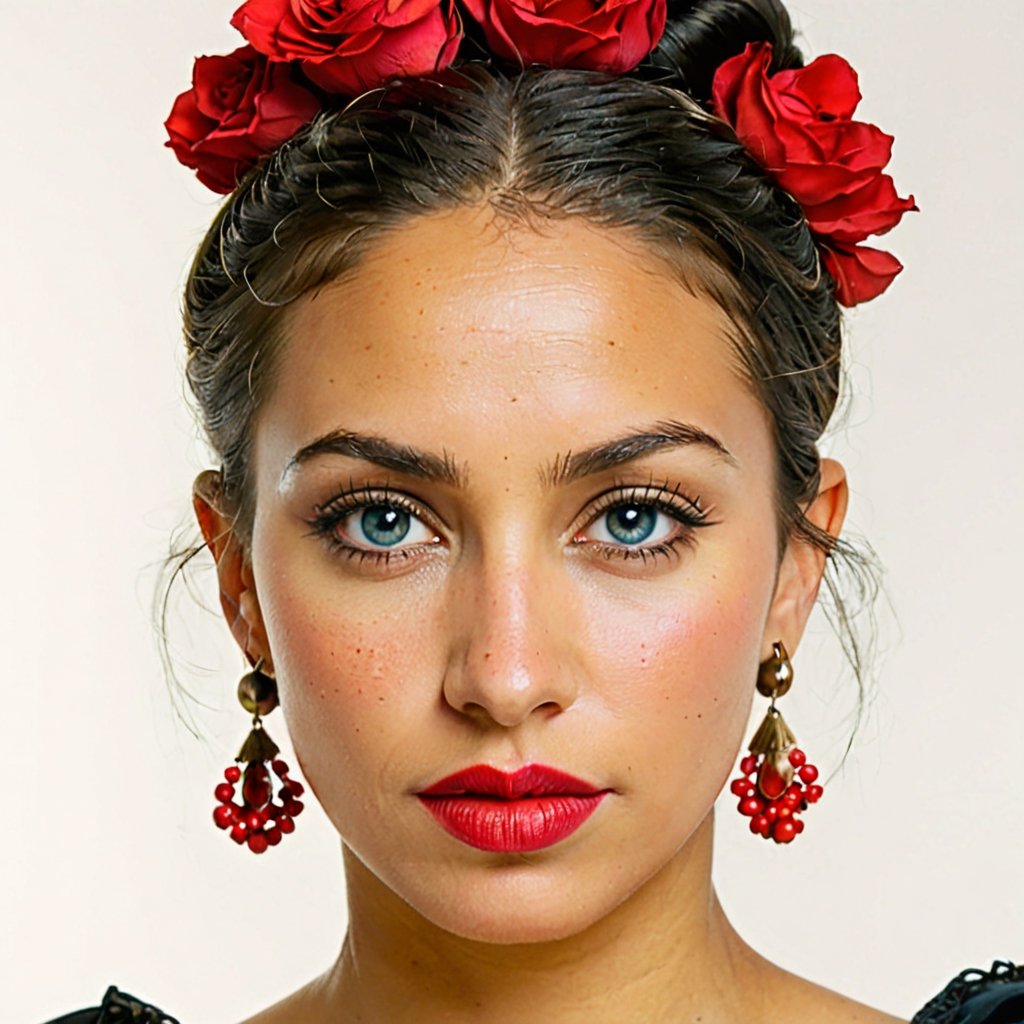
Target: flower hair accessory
240	108
306	55
798	125
303	56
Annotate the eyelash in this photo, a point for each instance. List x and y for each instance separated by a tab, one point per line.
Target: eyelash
331	514
687	512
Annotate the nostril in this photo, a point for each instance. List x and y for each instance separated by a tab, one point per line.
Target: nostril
475	710
508	681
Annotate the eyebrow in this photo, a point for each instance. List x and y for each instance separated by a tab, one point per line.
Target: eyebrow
663	435
567	468
379	450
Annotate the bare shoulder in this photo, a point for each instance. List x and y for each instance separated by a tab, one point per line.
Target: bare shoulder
797	999
821	1004
305	1005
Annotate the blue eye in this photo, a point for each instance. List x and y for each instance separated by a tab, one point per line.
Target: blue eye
631	524
382	525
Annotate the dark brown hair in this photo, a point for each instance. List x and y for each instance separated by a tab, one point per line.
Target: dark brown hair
638	153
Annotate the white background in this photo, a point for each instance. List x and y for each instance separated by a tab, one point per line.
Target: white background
110	867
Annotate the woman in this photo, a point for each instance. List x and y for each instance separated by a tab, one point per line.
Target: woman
516	379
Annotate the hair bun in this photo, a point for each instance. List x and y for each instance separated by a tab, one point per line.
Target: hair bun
702	34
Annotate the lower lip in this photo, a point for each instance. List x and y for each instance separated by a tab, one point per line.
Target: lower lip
511	826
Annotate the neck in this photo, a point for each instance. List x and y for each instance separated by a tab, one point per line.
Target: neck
667	952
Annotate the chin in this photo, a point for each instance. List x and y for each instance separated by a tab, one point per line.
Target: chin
517	917
522	899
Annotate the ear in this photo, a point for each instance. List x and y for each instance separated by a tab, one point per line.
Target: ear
234	572
803	564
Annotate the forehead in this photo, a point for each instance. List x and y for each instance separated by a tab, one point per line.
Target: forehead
459	328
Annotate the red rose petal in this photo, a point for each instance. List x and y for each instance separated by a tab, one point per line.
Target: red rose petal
220	83
741	86
861	273
826	87
815	183
185	122
725	87
872	210
259	20
854	144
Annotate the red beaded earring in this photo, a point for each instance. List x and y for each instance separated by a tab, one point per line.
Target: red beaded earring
777	783
258	821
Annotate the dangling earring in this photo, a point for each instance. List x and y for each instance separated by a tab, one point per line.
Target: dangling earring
258	821
774	798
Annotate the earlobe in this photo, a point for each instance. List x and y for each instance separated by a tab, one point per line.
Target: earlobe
803	563
238	598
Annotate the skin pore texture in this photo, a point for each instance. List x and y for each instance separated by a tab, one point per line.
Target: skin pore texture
465	384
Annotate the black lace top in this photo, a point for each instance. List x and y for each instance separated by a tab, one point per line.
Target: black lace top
979	997
118	1008
974	997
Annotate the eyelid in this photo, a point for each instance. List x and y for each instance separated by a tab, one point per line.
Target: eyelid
356	496
328	514
667	498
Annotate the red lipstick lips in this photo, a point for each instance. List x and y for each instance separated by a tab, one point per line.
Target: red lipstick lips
529	809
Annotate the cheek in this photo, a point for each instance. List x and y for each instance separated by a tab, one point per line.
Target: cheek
682	675
346	662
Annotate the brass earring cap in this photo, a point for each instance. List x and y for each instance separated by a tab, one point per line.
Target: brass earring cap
257	692
775	675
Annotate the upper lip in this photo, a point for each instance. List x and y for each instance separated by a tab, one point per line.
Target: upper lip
531	780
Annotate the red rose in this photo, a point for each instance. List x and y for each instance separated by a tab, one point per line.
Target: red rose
349	46
239	108
603	35
799	126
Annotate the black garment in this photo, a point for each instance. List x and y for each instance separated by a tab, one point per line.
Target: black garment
979	997
974	997
118	1008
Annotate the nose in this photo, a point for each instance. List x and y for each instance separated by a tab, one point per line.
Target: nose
511	654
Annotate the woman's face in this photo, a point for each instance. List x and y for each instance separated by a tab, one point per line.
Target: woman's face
514	506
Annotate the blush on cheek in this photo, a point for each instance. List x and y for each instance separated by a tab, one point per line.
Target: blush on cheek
331	660
695	645
345	691
687	671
